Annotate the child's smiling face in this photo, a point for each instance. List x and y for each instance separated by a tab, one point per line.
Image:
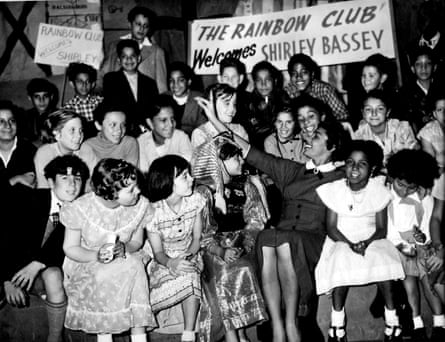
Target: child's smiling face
285	126
308	119
129	60
423	68
375	112
357	170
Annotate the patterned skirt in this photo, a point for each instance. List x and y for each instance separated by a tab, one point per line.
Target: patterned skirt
233	298
107	298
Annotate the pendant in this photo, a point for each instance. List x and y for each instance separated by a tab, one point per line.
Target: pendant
351	207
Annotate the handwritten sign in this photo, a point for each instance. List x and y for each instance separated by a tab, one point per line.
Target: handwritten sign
61	45
336	33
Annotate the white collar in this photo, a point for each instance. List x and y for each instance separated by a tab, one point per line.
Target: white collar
321	168
181	100
145	42
56	204
8	157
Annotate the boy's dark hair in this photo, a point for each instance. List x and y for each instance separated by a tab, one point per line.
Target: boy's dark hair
229	150
372	151
338	137
284	108
75	69
414	166
379	61
144	11
37	85
110	176
183	68
66	165
378	94
8	105
159	102
106	107
306	61
161	176
234	63
127	43
422	51
274	72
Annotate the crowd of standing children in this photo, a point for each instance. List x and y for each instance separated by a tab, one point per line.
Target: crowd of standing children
147	204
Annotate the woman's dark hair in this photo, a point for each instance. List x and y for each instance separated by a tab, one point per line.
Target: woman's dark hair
162	174
56	120
112	175
338	137
66	165
371	150
413	166
107	107
379	95
306	61
229	150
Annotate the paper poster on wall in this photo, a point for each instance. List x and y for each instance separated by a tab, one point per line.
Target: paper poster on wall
75	13
335	33
61	45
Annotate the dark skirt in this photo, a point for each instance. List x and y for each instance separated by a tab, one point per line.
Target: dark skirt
305	249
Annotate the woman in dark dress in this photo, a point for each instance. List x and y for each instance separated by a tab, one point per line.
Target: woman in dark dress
288	254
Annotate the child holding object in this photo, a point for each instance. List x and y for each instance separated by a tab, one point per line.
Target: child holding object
105	280
174	234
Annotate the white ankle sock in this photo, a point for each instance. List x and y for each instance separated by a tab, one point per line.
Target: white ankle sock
392	322
337	320
139	338
418	322
104	338
188	335
439	321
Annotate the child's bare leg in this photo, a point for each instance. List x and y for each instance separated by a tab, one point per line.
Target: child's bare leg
440	290
242	334
190	307
52	278
392	329
338	329
272	292
231	336
289	285
435	304
412	292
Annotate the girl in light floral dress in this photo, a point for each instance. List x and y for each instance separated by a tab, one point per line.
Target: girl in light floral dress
174	234
105	280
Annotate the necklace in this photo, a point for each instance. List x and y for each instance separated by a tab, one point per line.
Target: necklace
357	197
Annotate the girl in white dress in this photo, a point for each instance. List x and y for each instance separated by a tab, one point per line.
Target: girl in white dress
356	251
105	279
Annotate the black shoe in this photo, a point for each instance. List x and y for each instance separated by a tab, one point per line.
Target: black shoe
438	334
393	337
419	335
336	338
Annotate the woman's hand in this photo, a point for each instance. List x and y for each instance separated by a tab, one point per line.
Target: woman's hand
28	179
231	254
181	264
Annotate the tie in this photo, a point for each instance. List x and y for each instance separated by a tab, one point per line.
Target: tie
418	208
55	218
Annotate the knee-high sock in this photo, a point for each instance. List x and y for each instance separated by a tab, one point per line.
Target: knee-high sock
56	318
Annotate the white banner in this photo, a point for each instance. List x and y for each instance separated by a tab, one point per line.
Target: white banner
61	45
335	33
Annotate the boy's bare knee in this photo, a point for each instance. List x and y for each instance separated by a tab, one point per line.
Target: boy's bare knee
52	278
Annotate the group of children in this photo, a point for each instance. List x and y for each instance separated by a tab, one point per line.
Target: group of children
169	230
